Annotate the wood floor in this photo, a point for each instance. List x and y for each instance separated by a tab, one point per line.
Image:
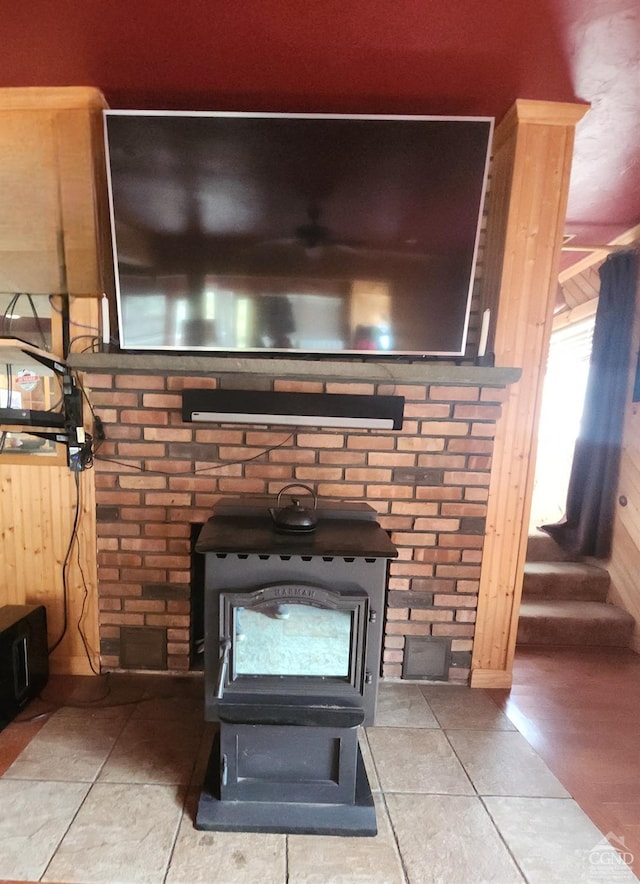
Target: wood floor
580	710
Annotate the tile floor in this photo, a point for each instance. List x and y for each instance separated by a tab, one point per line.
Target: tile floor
104	790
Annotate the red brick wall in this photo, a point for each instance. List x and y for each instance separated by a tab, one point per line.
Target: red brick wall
156	475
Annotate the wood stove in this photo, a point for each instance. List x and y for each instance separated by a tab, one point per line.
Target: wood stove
293	634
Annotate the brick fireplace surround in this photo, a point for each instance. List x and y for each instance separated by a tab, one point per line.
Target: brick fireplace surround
156	476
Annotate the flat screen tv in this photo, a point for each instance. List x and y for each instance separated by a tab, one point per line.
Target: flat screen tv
293	234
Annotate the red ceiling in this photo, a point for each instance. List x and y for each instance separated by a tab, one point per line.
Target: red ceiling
422	56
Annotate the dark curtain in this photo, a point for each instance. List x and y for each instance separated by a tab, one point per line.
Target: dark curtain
587	526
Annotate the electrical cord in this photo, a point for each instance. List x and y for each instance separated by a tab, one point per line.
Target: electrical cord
80	385
91	348
97	703
65	567
98	426
7	316
92	328
56	706
220	466
85	596
9	380
43	337
83	460
65	581
56	405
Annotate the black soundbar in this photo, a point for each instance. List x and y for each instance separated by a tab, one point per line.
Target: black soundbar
293	409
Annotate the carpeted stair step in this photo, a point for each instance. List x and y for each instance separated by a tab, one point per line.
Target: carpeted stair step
574	581
562	622
542	548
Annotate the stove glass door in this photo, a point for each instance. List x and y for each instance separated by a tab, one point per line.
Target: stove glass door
292	639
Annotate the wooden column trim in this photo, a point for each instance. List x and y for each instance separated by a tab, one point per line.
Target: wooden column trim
41	98
533	148
539	113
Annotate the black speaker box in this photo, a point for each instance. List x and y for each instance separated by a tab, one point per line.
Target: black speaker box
24	657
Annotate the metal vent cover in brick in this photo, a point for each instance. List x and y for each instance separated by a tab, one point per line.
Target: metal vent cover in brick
143	648
426	657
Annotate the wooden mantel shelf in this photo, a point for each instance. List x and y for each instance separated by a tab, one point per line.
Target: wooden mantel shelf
394	372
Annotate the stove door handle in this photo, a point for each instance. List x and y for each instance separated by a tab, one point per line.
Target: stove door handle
224	771
225	648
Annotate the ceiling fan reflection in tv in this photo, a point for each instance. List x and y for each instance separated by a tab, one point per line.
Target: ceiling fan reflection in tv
295	233
316	239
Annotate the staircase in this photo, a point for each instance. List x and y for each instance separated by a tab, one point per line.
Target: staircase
564	603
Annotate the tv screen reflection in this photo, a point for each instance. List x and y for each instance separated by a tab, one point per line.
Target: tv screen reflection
281	233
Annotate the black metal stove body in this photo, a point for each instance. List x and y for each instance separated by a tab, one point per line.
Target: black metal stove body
293	632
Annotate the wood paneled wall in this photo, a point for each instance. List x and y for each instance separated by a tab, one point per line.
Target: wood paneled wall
533	148
37	511
52	240
625	556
